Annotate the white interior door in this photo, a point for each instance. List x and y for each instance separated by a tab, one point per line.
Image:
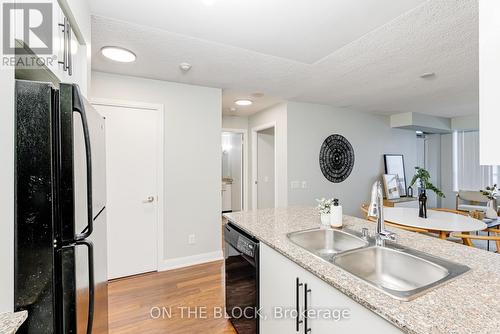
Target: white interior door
132	187
265	169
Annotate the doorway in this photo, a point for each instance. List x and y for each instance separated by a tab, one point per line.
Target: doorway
264	167
134	168
233	170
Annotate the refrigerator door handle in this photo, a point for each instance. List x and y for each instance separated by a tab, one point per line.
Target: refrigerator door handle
78	107
90	249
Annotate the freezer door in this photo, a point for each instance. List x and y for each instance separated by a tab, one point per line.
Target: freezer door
96	139
83	164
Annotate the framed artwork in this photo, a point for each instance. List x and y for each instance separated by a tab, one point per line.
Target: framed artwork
395	165
391	186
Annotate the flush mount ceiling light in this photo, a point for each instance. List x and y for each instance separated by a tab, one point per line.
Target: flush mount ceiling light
118	54
243	102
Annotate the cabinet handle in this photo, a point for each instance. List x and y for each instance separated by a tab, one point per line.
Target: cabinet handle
297	291
70	56
65	47
306	292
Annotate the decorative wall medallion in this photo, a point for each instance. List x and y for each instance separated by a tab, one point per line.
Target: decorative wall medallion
336	158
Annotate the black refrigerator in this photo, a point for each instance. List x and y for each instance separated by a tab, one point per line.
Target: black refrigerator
60	253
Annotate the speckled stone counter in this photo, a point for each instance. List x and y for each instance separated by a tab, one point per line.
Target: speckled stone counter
10	322
468	304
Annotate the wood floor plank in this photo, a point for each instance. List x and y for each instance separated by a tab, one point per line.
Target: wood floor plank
199	287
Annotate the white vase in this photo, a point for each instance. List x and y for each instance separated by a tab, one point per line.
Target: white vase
325	219
491	209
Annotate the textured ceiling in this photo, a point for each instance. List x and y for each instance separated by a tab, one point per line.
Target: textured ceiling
377	72
298	30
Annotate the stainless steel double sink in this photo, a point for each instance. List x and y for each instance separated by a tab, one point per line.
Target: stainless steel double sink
398	271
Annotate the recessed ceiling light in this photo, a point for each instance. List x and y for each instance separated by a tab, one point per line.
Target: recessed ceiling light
243	102
118	54
428	75
232	109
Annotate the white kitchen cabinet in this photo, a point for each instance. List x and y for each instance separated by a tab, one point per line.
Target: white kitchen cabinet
67	61
279	302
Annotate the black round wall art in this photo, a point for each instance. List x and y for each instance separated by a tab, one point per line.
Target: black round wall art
336	158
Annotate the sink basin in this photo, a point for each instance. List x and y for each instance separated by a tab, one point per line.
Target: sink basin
399	272
326	242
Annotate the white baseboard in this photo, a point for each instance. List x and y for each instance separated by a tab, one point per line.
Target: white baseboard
187	261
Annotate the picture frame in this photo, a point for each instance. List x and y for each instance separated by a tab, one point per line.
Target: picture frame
395	165
391	186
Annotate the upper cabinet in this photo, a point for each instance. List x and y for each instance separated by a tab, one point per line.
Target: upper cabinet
489	81
65	53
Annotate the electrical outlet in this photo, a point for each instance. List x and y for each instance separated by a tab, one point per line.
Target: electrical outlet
192	239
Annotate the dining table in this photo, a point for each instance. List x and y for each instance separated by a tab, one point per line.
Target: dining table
440	222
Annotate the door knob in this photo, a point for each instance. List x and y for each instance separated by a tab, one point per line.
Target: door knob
149	199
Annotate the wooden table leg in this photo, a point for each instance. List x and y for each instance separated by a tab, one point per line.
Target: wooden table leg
467	241
443	235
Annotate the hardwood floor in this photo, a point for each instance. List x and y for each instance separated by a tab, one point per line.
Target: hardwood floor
135	303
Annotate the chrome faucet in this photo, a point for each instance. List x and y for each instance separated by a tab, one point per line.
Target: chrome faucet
376	210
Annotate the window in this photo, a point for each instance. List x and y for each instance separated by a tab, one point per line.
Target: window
468	174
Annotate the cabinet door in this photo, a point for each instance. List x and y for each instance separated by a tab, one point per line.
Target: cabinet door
337	313
57	40
277	288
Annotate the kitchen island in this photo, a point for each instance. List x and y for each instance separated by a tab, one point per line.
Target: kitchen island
468	304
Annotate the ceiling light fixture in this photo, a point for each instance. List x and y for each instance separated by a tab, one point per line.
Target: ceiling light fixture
243	102
232	109
118	54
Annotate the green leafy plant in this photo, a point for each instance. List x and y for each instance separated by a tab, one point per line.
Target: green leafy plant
424	177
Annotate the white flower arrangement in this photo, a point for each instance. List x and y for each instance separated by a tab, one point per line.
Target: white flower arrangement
324	205
491	192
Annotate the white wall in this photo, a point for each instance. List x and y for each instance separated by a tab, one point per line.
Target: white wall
192	158
7	190
370	135
234	122
265	169
278	115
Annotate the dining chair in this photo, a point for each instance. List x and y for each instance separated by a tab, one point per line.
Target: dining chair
364	209
468	200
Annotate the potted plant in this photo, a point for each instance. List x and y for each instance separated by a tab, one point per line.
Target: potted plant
324	208
424	179
491	193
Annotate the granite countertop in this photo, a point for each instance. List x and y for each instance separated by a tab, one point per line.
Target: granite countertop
10	322
468	304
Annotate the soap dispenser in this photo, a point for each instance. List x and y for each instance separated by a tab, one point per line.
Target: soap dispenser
336	214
